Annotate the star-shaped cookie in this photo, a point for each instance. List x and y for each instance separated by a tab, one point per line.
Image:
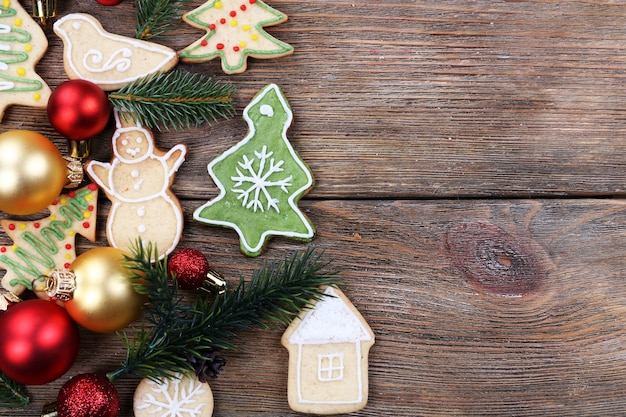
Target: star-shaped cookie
261	179
234	31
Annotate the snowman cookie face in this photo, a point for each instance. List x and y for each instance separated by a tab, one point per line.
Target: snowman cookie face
132	146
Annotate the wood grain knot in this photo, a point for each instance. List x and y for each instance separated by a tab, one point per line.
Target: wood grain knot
495	261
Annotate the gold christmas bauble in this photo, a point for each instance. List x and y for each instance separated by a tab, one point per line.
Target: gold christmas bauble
104	299
32	172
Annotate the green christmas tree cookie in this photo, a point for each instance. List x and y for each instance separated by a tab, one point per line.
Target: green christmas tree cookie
261	179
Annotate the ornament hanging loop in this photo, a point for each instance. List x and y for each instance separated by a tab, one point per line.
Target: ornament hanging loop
60	284
44	10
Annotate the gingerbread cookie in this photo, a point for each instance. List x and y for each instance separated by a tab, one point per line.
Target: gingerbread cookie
42	245
261	179
234	32
181	397
22	45
137	181
108	60
328	357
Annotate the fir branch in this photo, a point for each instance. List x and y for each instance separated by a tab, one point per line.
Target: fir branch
176	99
11	393
154	17
183	334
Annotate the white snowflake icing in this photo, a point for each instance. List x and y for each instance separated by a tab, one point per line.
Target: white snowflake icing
180	403
254	185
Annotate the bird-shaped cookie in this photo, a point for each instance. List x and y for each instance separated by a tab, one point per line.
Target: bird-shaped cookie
108	60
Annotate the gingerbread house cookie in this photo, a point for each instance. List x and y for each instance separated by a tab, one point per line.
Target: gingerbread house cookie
328	357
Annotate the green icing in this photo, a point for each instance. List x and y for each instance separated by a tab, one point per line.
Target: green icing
199	51
261	179
44	245
14	57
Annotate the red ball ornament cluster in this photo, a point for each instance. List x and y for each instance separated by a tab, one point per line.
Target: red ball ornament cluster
78	109
39	342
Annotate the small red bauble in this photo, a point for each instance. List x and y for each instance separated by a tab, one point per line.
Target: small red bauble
38	342
109	2
190	267
78	109
88	395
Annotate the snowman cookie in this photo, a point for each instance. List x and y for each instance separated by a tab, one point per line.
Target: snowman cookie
138	181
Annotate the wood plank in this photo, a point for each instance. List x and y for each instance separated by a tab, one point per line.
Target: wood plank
439	283
422	99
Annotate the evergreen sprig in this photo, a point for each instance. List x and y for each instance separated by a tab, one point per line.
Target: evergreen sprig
183	334
154	17
176	99
11	393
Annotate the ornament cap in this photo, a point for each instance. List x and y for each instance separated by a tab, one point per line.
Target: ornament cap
60	284
44	10
79	149
216	282
75	174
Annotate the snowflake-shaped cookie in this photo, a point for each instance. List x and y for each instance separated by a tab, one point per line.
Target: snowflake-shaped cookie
234	31
261	179
180	397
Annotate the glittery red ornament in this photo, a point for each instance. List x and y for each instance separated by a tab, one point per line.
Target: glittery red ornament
88	395
190	267
78	109
38	342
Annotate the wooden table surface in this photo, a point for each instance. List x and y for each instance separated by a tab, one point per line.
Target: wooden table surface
469	163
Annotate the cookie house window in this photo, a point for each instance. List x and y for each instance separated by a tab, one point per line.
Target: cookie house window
330	367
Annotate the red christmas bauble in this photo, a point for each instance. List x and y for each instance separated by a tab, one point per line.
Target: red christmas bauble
38	342
109	2
190	267
88	395
78	109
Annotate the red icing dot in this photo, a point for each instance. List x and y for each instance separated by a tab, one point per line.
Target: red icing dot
220	46
68	246
12	226
72	194
243	7
252	1
3	249
55	202
212	26
37	225
86	225
66	265
233	13
91	208
222	20
93	187
236	48
204	42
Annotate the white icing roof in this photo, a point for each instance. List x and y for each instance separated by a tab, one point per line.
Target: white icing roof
330	321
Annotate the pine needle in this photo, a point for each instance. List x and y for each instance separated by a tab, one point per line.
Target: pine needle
11	393
176	99
181	334
154	17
